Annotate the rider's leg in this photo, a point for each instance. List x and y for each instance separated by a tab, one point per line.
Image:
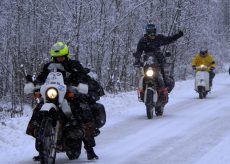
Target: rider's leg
162	90
89	144
211	75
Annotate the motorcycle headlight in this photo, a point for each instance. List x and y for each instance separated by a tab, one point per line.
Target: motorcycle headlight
52	93
149	72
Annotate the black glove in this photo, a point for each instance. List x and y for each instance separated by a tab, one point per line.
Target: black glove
167	54
180	33
137	63
194	67
87	70
135	54
212	68
29	78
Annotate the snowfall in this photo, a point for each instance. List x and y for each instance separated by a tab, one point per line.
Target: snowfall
191	131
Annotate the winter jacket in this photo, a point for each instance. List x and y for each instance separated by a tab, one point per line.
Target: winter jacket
70	66
208	60
153	45
74	74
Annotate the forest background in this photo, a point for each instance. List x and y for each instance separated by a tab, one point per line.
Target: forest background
103	35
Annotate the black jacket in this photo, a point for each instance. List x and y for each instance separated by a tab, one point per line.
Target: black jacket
153	45
74	74
72	67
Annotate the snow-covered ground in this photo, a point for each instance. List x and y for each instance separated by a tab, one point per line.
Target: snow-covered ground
191	131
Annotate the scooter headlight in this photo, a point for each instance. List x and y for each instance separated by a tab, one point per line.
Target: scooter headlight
202	65
52	93
150	72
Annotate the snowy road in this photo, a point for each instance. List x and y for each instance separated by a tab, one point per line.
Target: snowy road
189	130
192	131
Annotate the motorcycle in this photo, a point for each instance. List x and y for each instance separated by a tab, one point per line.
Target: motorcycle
59	131
148	92
202	85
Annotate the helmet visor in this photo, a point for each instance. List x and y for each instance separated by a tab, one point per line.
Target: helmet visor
203	53
58	48
151	31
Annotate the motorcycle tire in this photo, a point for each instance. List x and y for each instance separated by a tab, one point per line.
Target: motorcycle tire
47	152
202	92
149	104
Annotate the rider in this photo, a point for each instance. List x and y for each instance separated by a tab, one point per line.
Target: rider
150	43
204	57
73	68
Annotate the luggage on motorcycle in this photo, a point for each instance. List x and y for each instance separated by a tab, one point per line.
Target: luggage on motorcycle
95	90
35	122
169	83
32	128
169	80
140	94
94	86
99	114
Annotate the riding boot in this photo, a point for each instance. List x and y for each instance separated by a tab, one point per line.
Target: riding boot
36	158
73	154
137	62
32	128
210	83
90	153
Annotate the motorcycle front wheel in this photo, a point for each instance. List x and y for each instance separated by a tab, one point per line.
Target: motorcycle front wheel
47	152
202	92
149	104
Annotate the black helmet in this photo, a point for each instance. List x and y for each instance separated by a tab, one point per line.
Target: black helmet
150	29
203	52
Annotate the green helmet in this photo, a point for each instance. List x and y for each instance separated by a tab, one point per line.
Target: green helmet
59	49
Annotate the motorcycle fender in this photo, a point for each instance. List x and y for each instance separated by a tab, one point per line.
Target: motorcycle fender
48	107
201	83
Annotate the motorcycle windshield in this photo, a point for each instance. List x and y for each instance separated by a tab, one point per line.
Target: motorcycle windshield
54	67
151	61
55	78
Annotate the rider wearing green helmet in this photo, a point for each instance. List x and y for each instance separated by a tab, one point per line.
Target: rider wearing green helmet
77	73
59	50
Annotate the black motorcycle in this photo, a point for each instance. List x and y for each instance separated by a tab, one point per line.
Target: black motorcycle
148	86
58	129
